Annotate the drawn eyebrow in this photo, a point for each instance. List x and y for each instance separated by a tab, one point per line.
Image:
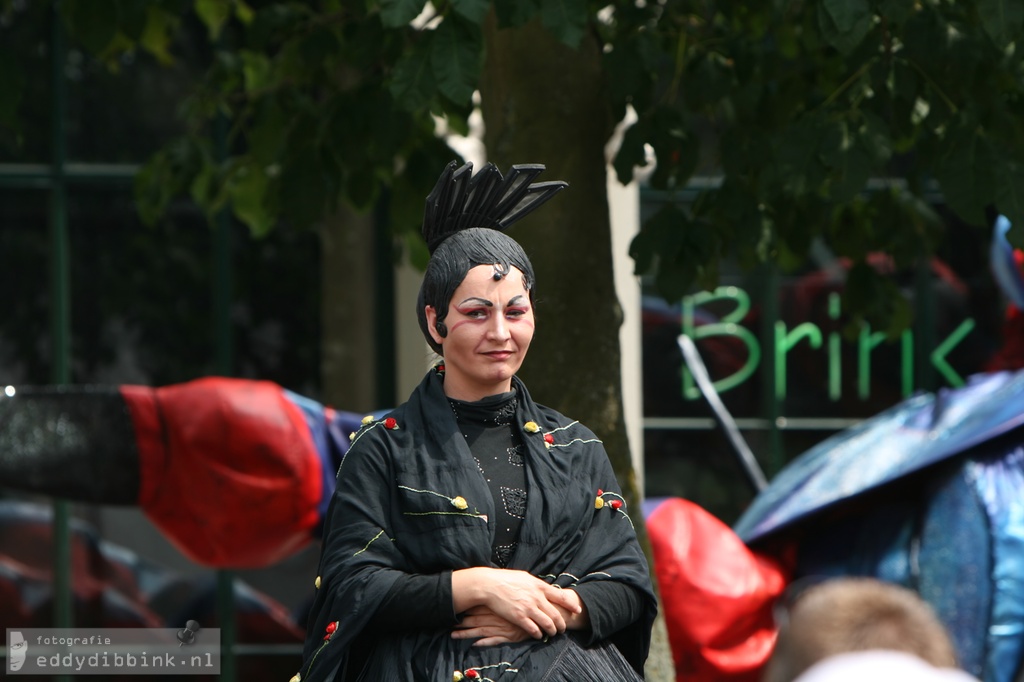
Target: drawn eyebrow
476	300
516	300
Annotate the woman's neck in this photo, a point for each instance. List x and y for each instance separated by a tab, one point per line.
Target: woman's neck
473	393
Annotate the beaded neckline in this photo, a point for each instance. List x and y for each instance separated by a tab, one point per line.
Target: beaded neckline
497	409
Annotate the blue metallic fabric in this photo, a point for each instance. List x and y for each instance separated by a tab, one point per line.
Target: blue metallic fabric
955	561
930	534
929	495
999	479
917	433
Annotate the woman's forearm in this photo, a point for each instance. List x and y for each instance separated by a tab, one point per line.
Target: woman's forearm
415	602
467	591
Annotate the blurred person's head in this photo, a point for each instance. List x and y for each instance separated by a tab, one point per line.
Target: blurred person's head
843	615
880	666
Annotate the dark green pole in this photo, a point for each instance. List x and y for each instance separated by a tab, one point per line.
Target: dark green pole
924	325
384	310
772	410
60	306
221	282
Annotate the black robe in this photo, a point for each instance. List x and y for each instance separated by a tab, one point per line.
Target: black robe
410	499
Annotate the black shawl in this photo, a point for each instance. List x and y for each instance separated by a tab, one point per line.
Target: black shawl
410	499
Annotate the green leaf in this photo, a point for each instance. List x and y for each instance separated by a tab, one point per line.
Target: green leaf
243	12
256	71
709	78
412	83
158	33
873	137
853	150
631	152
566	19
165	176
799	168
93	24
319	49
674	283
852	170
738	211
904	80
213	14
150	191
131	16
877	299
965	174
844	23
203	189
675	147
473	10
629	74
455	58
419	256
265	135
897	11
247	188
398	13
405	203
659	240
1002	20
273	21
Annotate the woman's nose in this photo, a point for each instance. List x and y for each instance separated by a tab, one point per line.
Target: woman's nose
499	329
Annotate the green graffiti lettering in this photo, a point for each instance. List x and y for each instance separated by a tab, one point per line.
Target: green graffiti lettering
730	326
867	342
784	343
907	362
938	356
835	374
727	326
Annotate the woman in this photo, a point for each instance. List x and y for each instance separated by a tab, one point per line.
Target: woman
475	534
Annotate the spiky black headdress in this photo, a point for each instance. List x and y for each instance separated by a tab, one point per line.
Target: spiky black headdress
461	200
463	224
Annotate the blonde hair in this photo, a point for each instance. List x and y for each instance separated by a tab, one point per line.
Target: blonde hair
856	614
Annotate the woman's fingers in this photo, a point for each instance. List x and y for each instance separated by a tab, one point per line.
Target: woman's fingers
479	619
567	599
491	641
487	628
554	623
518	597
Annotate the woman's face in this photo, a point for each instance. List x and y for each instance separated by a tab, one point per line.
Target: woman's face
490	325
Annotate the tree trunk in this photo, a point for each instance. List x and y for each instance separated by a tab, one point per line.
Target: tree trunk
543	102
348	287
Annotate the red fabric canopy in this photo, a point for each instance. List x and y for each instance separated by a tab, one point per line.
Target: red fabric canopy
717	594
228	469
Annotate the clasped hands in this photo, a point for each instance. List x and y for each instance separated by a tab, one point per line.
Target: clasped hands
500	606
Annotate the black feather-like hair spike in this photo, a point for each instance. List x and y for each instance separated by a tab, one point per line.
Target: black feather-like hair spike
461	200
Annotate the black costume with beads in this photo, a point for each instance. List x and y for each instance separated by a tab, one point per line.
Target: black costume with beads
412	501
441	485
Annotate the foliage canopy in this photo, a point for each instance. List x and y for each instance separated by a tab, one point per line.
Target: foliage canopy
791	106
